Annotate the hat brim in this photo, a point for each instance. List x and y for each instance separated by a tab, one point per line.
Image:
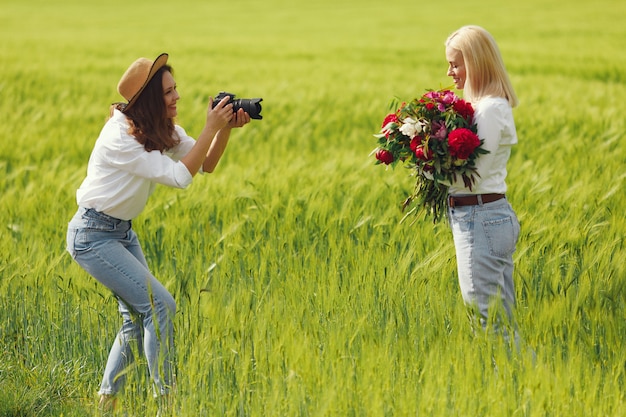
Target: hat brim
158	63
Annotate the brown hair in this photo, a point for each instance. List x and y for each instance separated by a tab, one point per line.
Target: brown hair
148	119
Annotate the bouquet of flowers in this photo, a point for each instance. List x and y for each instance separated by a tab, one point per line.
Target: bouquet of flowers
435	136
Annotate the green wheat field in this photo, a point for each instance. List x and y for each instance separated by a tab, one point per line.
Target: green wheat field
300	292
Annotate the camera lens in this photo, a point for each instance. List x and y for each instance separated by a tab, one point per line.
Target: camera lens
252	106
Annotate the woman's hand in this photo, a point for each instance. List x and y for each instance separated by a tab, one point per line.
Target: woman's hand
239	119
219	116
214	136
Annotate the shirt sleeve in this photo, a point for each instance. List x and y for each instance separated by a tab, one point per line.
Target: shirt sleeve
129	155
183	148
490	122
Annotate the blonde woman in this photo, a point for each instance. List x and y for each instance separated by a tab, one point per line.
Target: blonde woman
484	226
140	146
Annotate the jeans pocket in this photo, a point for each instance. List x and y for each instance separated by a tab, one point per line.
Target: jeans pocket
501	235
100	224
70	240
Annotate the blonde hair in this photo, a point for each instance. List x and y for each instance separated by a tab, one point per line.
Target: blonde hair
486	75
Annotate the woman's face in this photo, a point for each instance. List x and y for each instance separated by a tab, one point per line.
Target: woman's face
456	68
170	94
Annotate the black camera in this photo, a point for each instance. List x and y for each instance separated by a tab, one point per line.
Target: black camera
252	106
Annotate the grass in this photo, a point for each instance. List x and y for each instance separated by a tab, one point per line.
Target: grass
298	290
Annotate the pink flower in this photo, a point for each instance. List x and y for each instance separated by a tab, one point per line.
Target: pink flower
442	97
449	97
439	130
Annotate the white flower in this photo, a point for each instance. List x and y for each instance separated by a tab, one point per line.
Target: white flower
410	127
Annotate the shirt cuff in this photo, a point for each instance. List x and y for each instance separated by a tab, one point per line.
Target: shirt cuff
182	175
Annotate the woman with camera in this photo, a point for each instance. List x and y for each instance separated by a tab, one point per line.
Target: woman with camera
140	146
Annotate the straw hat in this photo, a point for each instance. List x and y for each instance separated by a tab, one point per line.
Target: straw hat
137	77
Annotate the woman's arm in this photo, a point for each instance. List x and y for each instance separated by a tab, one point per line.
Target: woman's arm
221	140
218	117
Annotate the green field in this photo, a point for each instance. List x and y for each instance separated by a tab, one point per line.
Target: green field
299	291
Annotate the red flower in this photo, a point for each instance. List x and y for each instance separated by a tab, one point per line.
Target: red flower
418	149
419	153
415	142
392	117
465	109
384	156
462	142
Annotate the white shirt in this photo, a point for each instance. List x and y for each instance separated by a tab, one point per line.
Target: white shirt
121	174
494	119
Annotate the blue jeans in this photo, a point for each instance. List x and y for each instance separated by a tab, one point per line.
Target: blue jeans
108	249
485	236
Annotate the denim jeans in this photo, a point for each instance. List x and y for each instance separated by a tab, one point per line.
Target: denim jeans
108	249
485	236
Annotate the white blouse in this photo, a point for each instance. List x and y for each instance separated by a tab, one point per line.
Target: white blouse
494	118
121	174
